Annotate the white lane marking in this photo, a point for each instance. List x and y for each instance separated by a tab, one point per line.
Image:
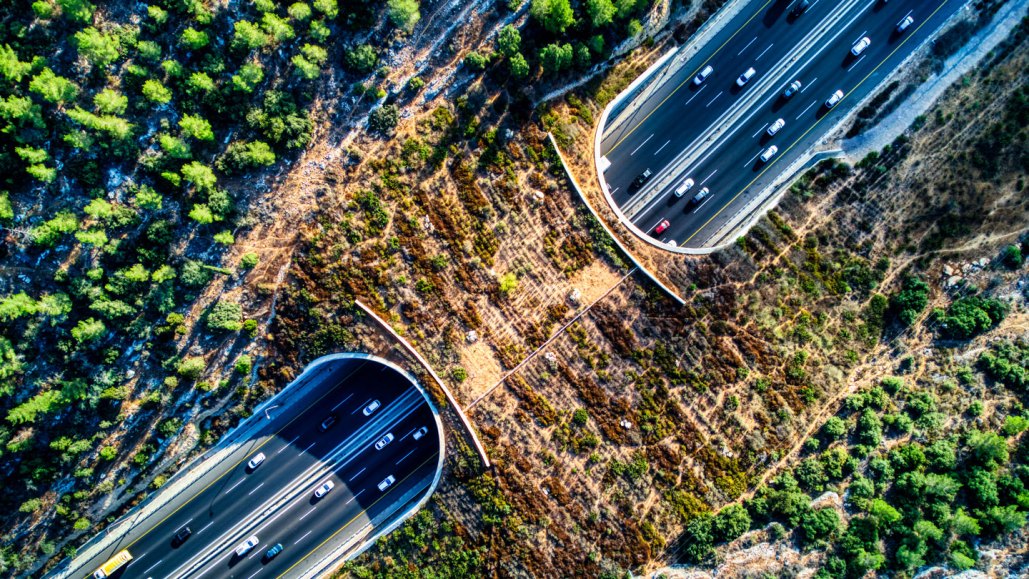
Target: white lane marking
908	14
235	485
752	41
302	538
344	400
714	99
255	572
152	566
759	131
354	497
187	522
751	161
307	513
204	527
857	62
764	51
654	226
709	176
641	145
701	89
358	474
702	204
662	146
365	405
288	444
255	489
612	192
405	456
805	87
806	110
308	447
860	36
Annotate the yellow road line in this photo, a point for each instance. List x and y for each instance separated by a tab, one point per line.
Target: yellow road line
799	139
688	78
364	510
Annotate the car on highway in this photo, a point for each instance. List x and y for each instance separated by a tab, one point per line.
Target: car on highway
181	536
746	76
661	227
791	90
700	196
271	553
641	180
246	546
420	432
372	407
324	489
860	46
329	421
769	153
386	482
835	98
776	127
382	442
800	8
702	75
904	24
256	461
682	189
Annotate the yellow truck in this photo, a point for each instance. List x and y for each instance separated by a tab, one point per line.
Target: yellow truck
120	559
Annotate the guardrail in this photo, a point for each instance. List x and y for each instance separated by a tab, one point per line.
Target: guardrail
622	248
439	381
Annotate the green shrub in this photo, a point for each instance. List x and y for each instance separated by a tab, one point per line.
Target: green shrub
225	316
970	316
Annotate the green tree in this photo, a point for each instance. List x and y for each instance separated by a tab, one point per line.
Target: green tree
277	28
111	102
361	59
99	49
248	37
243	365
225	316
404	13
519	66
987	449
698	539
329	8
970	316
245	155
87	331
191	368
553	15
384	119
509	41
1010	256
79	11
201	213
556	57
476	61
819	528
730	523
909	302
52	88
600	12
835	428
249	76
196	127
12	69
156	92
200	175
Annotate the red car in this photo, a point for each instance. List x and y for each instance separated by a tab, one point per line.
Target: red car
661	227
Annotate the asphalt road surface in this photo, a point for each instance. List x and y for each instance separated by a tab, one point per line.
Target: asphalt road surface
276	500
713	133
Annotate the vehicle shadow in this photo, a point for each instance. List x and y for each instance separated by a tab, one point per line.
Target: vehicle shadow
774	13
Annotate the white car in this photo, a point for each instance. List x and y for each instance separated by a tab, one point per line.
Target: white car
324	489
686	186
835	98
386	482
371	408
904	23
702	75
384	441
746	76
776	127
860	46
769	153
246	546
256	461
420	432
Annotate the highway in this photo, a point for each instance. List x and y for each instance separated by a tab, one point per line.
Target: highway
713	133
276	502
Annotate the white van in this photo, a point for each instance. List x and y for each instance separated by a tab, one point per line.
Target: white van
686	186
